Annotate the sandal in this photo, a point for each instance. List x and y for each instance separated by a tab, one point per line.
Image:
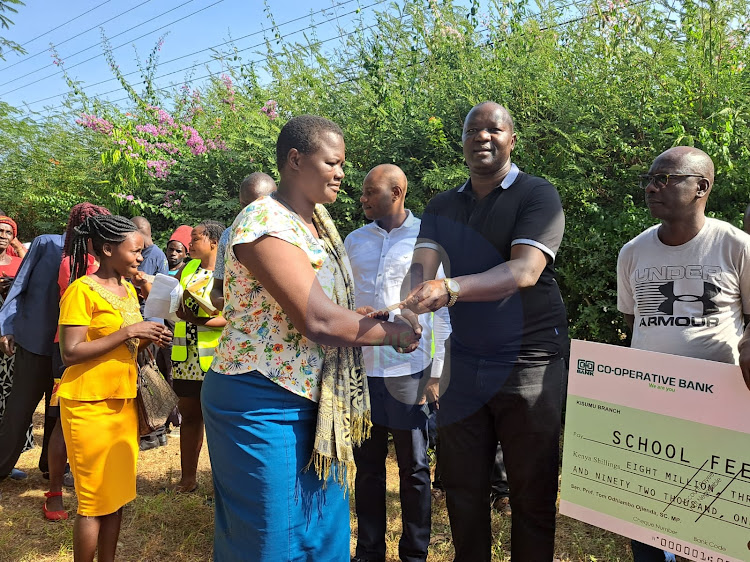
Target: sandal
54	515
177	489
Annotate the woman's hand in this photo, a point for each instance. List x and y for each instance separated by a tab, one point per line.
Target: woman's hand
408	339
151	331
18	247
5	283
75	349
370	312
184	313
8	344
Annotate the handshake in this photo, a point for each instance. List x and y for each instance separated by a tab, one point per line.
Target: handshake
427	297
405	333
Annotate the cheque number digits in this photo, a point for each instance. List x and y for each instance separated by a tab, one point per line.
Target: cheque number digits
691	551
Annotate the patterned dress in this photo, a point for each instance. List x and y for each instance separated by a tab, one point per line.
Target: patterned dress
6	384
259	335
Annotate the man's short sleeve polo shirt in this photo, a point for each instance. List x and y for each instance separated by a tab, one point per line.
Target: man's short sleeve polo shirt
476	235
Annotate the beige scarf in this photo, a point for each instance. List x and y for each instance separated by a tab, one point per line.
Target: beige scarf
344	406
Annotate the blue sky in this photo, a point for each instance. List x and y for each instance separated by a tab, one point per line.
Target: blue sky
134	25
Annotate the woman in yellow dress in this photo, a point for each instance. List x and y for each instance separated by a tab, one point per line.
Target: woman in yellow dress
101	329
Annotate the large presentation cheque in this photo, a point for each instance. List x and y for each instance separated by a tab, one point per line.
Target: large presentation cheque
657	448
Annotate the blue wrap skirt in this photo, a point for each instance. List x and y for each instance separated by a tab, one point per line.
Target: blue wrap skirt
268	508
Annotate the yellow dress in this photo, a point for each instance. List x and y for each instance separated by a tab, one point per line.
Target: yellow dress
97	400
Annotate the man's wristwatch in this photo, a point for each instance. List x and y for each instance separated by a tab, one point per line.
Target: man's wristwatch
453	288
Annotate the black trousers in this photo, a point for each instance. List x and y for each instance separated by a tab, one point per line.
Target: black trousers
646	553
32	379
395	410
519	406
499	482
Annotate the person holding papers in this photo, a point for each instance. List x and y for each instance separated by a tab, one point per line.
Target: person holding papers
195	339
684	284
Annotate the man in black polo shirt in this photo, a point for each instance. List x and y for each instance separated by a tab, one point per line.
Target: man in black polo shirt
496	237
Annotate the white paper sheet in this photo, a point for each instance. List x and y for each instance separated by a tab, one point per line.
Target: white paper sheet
164	298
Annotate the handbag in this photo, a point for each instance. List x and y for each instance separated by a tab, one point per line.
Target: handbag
155	399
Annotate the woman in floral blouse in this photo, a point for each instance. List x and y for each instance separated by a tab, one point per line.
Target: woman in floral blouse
286	399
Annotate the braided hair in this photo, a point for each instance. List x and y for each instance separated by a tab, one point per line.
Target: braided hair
212	229
100	229
78	214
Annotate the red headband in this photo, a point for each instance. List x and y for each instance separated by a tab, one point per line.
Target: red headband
10	222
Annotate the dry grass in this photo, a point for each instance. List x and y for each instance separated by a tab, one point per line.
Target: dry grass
161	526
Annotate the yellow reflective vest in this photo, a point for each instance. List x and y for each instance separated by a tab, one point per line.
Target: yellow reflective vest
208	338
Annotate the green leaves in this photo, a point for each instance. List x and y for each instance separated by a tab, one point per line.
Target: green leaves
597	91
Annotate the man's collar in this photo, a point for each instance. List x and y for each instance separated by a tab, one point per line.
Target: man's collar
408	221
508	180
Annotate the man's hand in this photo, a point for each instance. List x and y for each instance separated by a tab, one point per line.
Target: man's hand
8	345
427	297
409	341
432	392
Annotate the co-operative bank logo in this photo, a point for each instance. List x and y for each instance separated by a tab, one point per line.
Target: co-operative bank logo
586	367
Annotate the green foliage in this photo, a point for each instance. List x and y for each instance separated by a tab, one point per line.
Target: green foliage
6	6
596	95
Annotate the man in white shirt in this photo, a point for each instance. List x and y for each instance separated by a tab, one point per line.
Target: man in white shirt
380	255
684	285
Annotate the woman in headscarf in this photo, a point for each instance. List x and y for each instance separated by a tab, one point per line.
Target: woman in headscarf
286	398
9	265
15	249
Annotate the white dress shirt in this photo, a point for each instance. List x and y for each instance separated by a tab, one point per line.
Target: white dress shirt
380	260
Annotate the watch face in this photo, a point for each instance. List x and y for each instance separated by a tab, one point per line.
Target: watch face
453	286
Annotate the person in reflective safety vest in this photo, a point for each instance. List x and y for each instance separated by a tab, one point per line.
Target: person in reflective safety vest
194	342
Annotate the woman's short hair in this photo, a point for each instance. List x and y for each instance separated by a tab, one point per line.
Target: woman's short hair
303	133
214	229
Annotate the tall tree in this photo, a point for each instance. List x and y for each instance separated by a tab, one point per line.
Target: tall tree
6	7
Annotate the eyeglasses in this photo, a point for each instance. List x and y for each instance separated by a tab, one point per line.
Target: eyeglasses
661	180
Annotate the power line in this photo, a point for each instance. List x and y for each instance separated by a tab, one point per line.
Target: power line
266	58
214	47
66	23
359	30
114	49
71	38
205	62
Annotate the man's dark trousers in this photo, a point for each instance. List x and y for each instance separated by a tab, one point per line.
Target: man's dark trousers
407	422
646	553
487	401
32	379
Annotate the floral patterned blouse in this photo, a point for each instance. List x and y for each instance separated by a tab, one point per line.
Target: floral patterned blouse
259	335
